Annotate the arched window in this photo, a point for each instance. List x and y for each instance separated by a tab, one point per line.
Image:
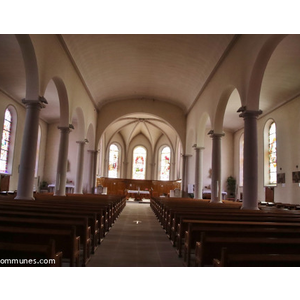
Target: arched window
113	167
164	171
139	163
272	153
241	157
5	143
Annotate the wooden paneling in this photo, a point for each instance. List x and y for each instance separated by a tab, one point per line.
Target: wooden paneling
4	183
115	186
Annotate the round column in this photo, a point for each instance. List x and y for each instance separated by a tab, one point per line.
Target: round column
184	174
29	145
216	187
198	172
92	173
79	172
250	188
61	173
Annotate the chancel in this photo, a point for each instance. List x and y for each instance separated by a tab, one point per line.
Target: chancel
200	130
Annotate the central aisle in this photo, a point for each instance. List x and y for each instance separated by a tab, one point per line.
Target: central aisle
136	244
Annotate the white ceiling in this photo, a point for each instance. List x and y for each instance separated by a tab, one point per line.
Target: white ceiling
172	68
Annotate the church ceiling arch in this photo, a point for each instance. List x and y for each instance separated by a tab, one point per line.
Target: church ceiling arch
281	82
173	69
78	119
12	71
131	126
57	109
164	67
226	111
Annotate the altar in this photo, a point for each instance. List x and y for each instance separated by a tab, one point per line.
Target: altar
69	188
137	194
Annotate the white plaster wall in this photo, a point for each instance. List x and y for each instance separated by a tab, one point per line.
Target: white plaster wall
288	154
52	148
21	113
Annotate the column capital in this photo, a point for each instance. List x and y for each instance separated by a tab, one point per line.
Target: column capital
85	141
250	113
199	148
186	155
41	102
213	134
65	128
93	151
217	135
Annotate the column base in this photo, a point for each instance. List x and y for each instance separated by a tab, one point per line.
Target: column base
252	208
24	198
211	201
58	194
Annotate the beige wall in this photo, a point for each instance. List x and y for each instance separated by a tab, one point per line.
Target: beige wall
5	101
227	160
288	154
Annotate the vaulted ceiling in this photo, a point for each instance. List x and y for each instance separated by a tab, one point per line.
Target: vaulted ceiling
172	68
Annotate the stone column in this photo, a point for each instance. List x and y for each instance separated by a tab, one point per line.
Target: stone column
79	172
61	172
216	186
250	188
184	174
92	173
199	172
29	145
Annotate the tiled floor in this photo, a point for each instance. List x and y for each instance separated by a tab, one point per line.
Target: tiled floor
129	244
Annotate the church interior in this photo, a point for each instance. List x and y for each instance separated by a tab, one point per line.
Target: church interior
147	140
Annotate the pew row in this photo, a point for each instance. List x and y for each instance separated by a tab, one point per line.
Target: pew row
26	255
235	229
66	240
256	259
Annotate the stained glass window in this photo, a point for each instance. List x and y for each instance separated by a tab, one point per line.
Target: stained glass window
165	163
113	166
6	133
139	163
241	183
272	154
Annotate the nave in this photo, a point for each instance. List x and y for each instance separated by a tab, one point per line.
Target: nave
136	240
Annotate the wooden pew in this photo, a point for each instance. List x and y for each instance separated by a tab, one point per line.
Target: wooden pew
75	205
112	205
265	240
256	260
66	240
178	230
95	220
196	227
29	255
81	225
